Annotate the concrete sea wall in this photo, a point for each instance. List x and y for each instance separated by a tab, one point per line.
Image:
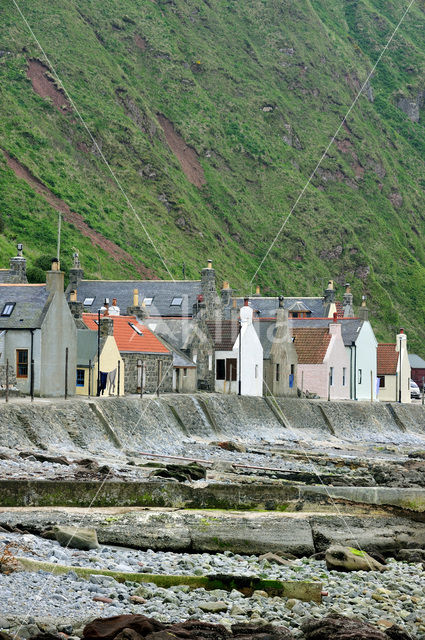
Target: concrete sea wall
118	426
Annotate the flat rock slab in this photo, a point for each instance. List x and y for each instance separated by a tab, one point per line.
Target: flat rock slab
300	534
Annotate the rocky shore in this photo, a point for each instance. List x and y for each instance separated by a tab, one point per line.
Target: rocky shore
45	602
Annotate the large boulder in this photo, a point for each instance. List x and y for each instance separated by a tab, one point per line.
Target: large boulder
341	558
337	627
76	537
411	555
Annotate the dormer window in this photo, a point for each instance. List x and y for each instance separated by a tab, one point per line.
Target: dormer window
7	309
176	302
136	329
147	302
88	302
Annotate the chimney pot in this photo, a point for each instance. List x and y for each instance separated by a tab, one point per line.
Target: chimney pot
73	296
363	301
335	317
55	264
330	284
401	331
257	290
234	303
347	287
135	297
226	285
245	302
209	264
281	302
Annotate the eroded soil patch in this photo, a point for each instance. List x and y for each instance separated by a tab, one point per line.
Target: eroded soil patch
97	239
140	42
46	87
187	157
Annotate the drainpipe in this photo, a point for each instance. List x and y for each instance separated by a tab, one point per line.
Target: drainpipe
240	360
351	371
98	352
355	370
400	379
32	366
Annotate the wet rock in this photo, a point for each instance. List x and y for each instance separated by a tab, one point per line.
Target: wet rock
181	472
411	555
341	558
273	557
213	607
231	445
337	627
76	537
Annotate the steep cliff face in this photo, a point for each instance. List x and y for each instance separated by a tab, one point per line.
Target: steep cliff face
212	116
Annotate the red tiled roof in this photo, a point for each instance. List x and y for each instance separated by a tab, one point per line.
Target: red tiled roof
387	358
224	333
339	308
311	344
126	338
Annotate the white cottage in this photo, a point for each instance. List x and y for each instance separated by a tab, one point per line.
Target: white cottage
238	355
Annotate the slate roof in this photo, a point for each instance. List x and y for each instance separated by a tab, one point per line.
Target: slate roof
180	359
162	292
174	330
265	331
224	334
311	344
267	305
416	362
86	347
350	327
30	305
126	338
387	359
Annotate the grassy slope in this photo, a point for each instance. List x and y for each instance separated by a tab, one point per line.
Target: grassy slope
210	66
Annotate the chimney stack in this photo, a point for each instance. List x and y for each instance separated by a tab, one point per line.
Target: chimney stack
106	326
75	307
76	274
347	302
226	294
55	278
18	266
364	311
213	305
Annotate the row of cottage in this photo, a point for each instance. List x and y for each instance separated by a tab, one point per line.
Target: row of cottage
115	337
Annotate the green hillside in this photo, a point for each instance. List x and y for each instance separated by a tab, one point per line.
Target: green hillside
212	114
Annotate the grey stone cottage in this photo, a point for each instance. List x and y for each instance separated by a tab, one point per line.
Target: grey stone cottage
38	336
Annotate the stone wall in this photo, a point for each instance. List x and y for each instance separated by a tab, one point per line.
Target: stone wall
132	372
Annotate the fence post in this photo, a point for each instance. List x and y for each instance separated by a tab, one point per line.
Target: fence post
119	377
7	380
66	373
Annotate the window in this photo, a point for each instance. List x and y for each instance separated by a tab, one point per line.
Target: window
88	302
231	369
220	370
277	372
381	382
136	329
80	377
331	376
360	377
344	371
147	301
22	363
176	302
7	309
292	369
185	372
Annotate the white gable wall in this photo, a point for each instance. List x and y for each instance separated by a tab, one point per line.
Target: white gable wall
363	363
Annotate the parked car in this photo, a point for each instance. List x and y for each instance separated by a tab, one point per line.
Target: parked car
415	392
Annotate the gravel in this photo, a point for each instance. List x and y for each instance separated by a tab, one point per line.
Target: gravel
396	595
